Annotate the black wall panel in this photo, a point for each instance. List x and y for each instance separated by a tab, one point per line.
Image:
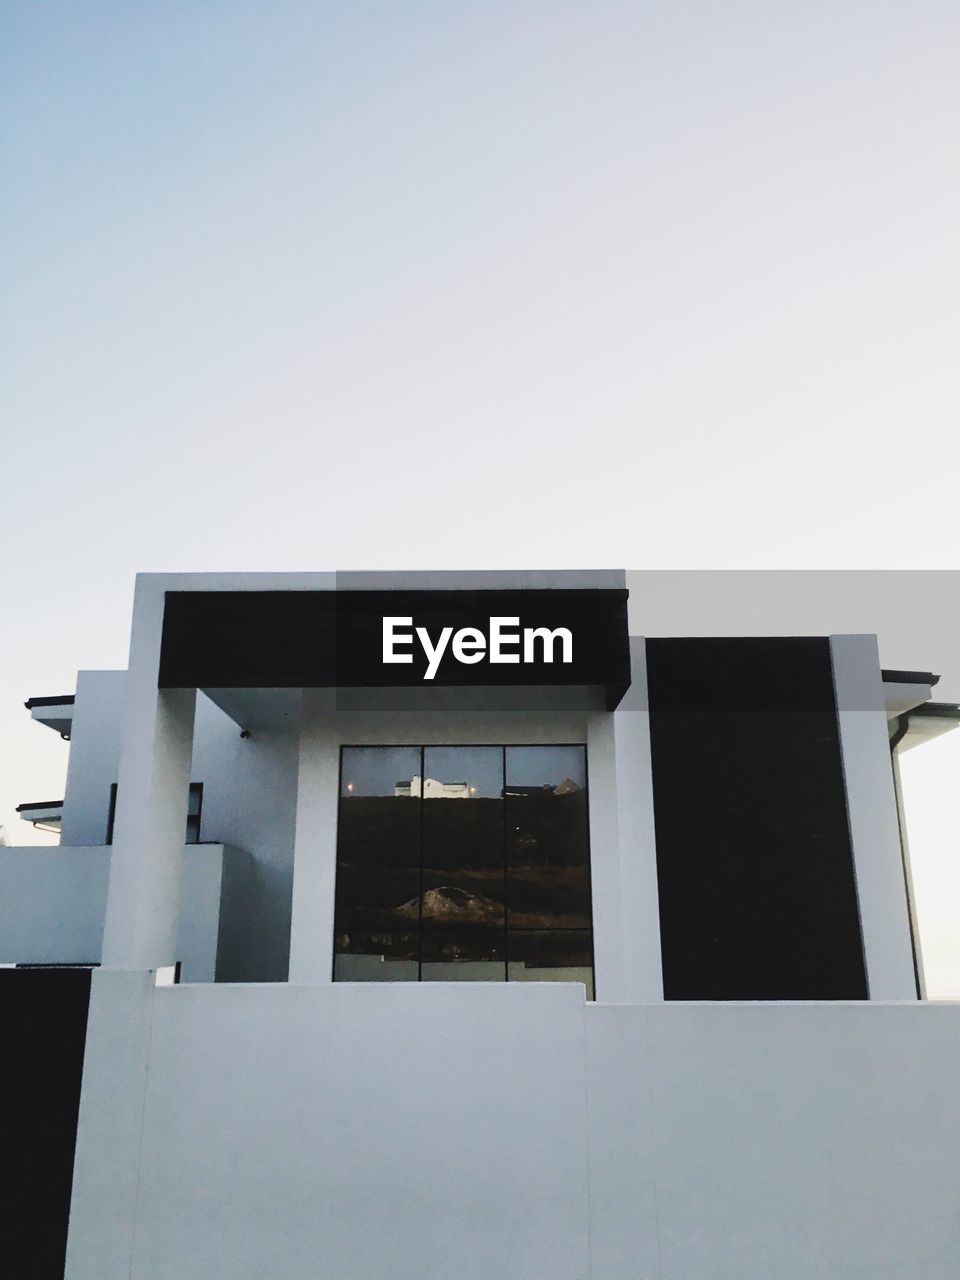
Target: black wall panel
304	639
756	878
44	1021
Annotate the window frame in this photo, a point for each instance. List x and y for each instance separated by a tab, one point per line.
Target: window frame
502	747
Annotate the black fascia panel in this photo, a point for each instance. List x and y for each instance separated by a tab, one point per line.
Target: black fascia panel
909	677
307	639
756	879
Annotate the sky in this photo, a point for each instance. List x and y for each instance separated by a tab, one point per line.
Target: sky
312	285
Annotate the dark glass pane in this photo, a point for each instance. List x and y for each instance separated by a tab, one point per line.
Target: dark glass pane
376	957
378	771
429	841
547	849
475	955
463	837
546	767
194	807
553	955
378	845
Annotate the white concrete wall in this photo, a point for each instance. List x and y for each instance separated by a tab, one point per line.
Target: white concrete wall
106	1169
53	903
416	1132
775	1142
250	802
623	833
98	714
420	1132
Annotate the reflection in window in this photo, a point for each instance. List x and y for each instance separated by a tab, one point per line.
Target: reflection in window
462	843
463	864
551	955
378	862
473	955
548	866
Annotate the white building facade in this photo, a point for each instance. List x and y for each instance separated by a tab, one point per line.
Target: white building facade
647	1003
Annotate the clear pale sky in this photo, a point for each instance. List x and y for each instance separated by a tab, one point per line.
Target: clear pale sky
305	285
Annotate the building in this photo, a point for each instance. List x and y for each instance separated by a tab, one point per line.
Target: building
646	1004
430	789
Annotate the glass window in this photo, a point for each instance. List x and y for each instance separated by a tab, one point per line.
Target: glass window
378	852
462	838
381	956
466	863
470	955
551	955
547	847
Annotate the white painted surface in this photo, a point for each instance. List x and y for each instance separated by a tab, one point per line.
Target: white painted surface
775	1142
53	903
109	1152
419	1132
143	898
250	802
98	715
872	814
606	881
639	901
315	848
410	1132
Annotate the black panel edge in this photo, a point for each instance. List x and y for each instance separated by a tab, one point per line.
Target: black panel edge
909	677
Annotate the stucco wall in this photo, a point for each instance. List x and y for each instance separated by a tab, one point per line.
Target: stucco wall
94	756
250	801
53	902
419	1132
416	1132
774	1142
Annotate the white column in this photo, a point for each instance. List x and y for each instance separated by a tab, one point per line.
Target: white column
143	898
606	882
872	813
638	840
315	841
623	852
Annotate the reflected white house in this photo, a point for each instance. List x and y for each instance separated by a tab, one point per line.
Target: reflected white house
433	789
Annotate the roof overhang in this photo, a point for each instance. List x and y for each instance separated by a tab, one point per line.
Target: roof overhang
43	814
56	712
424	641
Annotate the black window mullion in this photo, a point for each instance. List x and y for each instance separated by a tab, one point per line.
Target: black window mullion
506	876
420	885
